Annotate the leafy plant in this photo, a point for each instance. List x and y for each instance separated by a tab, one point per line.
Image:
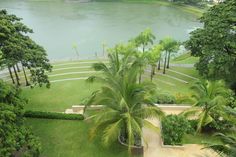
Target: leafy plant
173	129
209	99
165	98
15	137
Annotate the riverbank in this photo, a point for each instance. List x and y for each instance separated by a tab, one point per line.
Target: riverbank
187	8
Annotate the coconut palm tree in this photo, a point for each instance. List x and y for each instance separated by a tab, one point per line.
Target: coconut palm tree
153	57
227	147
127	104
144	39
210	99
169	46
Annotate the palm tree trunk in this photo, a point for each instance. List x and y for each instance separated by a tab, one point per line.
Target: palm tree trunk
140	74
164	70
152	73
17	77
154	69
26	80
17	67
159	65
168	62
9	69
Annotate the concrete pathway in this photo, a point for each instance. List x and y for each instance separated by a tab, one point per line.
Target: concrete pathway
182	74
71	73
172	77
68	68
154	144
75	63
182	65
69	79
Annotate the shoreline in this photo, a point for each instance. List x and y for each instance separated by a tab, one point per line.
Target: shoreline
187	8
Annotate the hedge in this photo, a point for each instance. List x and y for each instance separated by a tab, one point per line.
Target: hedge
53	115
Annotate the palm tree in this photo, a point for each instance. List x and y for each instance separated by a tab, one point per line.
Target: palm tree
169	46
210	99
126	103
144	39
153	57
227	147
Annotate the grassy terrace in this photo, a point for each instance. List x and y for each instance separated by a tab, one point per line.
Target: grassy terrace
63	95
60	96
74	134
61	138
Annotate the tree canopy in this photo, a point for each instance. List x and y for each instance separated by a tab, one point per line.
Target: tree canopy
17	47
15	137
215	43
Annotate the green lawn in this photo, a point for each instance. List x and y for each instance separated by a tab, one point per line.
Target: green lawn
60	138
60	96
171	85
200	139
185	59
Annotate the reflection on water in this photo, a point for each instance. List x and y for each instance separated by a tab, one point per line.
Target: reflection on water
58	25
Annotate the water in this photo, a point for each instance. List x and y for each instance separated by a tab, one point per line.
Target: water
58	24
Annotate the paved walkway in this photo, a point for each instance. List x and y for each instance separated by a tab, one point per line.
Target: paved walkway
154	146
182	65
182	74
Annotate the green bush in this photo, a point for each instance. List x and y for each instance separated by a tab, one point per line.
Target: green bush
164	98
173	129
53	115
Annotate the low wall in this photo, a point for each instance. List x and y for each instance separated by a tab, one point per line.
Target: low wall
168	108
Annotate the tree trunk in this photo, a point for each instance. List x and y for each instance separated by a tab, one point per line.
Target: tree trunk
26	80
168	62
9	69
159	65
17	67
164	70
152	71
140	75
17	77
143	48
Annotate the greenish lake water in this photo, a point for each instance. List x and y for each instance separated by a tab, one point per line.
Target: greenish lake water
58	25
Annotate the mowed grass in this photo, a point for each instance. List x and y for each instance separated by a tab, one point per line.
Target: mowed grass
185	59
200	139
61	95
60	138
167	84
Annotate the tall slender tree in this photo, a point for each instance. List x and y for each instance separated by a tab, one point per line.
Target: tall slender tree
169	45
143	41
153	58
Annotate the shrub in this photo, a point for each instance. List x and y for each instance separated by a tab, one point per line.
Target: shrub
173	129
193	126
164	98
183	99
218	125
53	115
